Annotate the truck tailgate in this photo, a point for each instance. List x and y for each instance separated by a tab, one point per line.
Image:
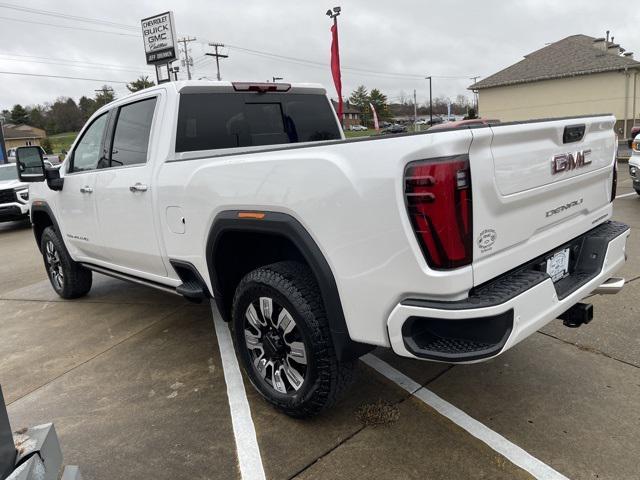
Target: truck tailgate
537	185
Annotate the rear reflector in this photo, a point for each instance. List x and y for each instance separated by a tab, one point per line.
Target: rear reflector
261	87
438	198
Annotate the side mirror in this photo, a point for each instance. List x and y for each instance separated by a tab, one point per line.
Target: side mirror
30	164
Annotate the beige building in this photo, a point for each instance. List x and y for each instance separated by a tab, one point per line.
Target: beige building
21	135
578	75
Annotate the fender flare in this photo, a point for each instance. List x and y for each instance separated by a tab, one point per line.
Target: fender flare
285	225
41	206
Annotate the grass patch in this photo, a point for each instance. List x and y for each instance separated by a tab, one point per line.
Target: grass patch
363	133
62	141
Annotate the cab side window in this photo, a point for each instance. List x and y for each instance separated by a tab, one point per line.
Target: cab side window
131	137
88	150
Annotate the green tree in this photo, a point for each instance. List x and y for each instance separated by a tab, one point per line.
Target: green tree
360	97
46	144
38	116
65	116
87	107
104	96
380	103
5	116
19	115
140	84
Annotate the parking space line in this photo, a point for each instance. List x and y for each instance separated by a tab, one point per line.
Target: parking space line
626	195
497	442
244	431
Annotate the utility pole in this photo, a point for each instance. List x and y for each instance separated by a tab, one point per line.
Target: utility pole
415	111
188	61
218	56
475	94
430	102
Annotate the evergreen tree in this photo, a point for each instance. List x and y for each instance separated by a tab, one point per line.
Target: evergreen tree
19	115
140	84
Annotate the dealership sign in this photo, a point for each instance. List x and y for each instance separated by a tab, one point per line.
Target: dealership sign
159	35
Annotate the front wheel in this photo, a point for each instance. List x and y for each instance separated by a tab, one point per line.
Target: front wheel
282	336
68	278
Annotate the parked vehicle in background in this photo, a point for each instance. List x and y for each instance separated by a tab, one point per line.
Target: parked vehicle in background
14	195
635	131
475	122
395	128
52	159
358	128
450	246
634	163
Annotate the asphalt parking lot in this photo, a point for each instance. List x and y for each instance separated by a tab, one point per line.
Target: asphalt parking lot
134	382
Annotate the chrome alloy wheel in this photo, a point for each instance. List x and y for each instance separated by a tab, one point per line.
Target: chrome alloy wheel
275	345
54	265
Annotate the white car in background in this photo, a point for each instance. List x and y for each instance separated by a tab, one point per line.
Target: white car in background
358	128
634	164
52	159
14	195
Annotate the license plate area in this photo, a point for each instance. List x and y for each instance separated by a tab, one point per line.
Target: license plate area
557	265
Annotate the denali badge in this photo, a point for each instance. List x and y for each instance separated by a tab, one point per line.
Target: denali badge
564	207
569	161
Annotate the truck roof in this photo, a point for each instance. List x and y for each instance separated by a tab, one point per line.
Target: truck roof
196	86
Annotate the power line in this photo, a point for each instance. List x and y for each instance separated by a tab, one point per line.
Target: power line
66	64
67	16
84	62
62	76
70	27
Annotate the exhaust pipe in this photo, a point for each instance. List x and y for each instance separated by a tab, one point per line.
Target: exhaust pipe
610	287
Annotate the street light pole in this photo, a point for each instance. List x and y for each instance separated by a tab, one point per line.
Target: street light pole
430	102
275	79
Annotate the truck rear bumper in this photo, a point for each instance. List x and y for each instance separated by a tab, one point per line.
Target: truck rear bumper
498	315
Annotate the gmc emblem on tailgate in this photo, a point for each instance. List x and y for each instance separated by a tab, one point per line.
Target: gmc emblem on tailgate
570	161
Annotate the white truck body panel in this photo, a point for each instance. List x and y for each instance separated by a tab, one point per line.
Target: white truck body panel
349	196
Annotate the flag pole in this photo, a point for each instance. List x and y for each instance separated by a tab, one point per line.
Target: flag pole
335	60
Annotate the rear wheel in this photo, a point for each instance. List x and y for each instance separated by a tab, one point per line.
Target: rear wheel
282	336
68	278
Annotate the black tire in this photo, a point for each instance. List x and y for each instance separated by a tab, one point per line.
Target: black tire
292	287
68	278
637	191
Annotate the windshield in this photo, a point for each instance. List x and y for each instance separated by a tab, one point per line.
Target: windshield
8	173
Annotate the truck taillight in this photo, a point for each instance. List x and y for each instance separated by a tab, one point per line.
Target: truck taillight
614	184
438	198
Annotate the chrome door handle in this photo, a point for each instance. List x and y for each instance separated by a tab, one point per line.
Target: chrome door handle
138	187
86	189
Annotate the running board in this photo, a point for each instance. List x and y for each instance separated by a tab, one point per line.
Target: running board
130	278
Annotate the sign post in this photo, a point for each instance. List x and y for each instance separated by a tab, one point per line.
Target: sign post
159	36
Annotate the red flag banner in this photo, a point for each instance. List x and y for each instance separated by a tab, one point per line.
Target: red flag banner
376	125
335	67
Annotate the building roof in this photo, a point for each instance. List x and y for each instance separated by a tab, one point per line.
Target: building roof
15	132
569	57
346	107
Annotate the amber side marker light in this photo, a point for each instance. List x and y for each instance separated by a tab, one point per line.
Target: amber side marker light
254	215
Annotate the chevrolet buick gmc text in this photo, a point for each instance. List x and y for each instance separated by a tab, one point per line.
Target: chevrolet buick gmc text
451	245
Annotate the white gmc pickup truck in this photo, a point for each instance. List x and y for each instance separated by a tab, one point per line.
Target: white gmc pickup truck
451	245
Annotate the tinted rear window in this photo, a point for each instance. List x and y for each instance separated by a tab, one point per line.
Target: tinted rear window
208	121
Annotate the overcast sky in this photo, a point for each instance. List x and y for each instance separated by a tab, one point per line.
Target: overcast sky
402	41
